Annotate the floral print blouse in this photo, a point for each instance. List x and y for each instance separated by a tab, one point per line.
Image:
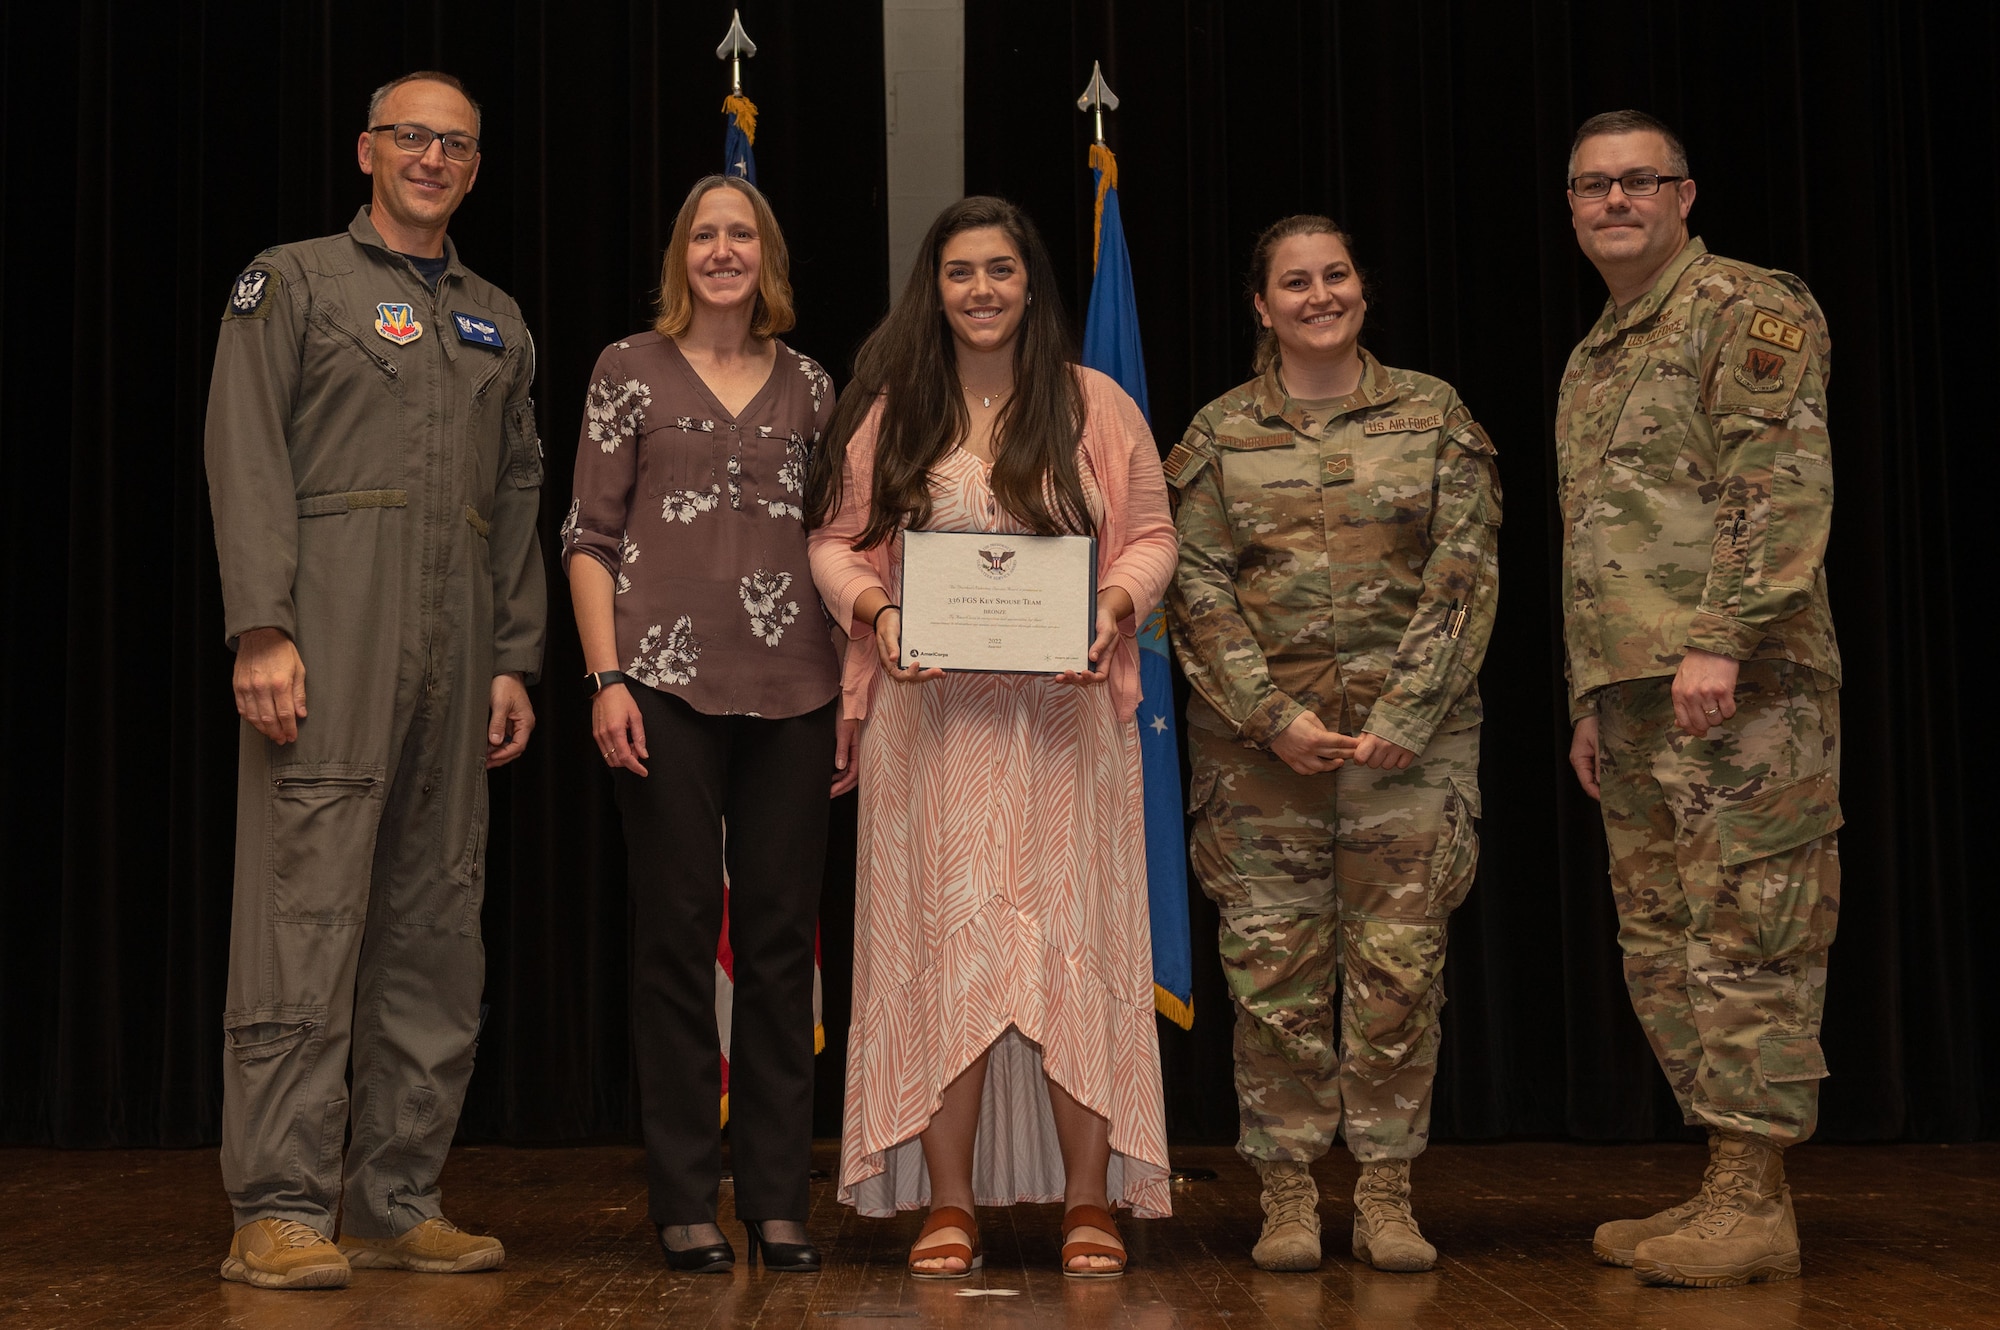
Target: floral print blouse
696	515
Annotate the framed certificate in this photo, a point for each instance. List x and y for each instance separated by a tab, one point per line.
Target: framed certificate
973	600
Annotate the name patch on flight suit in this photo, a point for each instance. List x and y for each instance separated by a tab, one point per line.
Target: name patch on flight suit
476	331
1403	424
247	299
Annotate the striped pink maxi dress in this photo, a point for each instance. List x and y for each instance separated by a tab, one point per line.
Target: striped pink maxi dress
1000	887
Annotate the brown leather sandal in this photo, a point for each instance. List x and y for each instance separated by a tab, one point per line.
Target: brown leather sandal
946	1216
1090	1216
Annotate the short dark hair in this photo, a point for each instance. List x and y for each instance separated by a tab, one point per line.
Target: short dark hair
1629	122
376	98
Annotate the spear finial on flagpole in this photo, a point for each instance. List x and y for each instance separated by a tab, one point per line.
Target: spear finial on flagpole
1097	98
736	47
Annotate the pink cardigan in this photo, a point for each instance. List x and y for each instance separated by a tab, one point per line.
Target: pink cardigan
1136	543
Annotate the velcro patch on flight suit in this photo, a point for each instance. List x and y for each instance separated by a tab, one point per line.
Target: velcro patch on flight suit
1758	381
1185	462
477	331
1768	327
250	298
1404	424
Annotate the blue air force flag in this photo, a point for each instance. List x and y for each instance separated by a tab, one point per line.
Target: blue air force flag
1111	344
739	117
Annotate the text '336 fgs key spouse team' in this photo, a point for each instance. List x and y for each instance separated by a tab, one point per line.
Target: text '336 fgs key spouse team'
1324	538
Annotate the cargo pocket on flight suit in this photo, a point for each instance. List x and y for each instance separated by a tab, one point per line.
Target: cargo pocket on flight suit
1777	859
323	819
1212	870
1455	862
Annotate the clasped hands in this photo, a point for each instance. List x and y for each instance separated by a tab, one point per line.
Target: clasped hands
1308	747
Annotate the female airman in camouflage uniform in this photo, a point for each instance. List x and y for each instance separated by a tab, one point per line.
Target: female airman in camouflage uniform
1337	577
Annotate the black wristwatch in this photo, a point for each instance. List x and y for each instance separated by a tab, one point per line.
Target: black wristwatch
593	684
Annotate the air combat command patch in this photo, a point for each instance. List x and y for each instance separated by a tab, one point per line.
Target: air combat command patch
397	322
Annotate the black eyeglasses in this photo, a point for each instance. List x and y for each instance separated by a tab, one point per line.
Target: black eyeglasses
418	138
1636	186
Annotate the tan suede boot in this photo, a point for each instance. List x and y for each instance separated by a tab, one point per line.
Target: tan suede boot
283	1253
1614	1240
1745	1233
1290	1240
1385	1232
435	1247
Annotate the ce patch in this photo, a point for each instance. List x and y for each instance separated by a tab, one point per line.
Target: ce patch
250	298
477	331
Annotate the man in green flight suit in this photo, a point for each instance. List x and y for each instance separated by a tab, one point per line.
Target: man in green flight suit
375	475
1697	490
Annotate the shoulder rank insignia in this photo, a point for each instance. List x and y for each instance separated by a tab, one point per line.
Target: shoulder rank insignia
247	297
397	323
1770	328
477	331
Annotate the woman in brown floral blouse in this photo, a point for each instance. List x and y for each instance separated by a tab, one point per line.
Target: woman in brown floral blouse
706	640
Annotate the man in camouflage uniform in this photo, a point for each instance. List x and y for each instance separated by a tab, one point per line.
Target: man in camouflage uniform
1338	574
375	474
1696	491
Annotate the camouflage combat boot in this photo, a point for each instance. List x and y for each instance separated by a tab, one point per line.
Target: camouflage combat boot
1745	1233
1290	1240
1614	1240
1385	1232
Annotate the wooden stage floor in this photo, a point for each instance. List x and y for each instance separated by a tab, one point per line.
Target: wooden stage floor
1893	1236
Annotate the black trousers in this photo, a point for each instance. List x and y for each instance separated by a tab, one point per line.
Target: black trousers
766	780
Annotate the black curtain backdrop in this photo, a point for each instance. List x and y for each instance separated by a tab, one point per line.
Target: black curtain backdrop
146	152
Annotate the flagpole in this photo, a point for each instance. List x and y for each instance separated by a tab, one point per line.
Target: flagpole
736	45
1097	98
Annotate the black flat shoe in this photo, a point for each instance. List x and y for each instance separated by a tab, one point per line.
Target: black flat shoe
784	1257
715	1258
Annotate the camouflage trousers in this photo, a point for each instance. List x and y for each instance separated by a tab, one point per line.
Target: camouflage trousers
1338	883
1727	878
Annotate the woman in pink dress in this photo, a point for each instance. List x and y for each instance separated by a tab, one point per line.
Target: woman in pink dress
1003	1046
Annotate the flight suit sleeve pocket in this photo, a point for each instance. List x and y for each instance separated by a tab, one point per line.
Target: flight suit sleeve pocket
1796	1057
1801	513
524	445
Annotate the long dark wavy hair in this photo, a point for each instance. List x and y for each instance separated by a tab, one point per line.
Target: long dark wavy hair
909	357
